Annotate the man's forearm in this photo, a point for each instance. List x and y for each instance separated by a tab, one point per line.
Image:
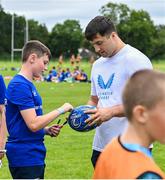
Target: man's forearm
93	101
117	111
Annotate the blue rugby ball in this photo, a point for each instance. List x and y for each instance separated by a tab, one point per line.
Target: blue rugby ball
77	117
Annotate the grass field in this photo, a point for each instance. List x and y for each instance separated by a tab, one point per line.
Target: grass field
68	156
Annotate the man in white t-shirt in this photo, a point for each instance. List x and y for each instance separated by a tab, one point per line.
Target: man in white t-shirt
109	73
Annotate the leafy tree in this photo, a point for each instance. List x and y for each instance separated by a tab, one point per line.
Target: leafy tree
134	27
38	31
66	38
86	44
5	32
19	31
116	12
1	8
159	42
138	31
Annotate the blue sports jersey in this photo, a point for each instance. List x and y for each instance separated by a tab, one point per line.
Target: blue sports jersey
2	90
24	147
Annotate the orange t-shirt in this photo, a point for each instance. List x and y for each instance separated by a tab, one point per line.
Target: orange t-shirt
117	162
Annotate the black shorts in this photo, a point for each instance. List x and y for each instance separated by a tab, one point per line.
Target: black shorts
28	172
95	156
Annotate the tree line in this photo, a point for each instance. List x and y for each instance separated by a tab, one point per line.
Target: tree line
134	27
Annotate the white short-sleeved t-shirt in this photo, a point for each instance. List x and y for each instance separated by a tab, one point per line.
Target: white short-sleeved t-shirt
108	78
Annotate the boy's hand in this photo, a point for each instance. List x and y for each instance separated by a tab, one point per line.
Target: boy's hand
67	107
53	130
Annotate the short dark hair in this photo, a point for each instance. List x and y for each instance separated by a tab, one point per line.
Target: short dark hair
146	88
34	46
100	24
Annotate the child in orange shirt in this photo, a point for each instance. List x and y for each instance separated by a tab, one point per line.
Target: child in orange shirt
128	156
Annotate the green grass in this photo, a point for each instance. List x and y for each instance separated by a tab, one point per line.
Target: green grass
159	65
68	155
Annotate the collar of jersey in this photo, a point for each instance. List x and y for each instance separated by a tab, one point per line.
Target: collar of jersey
24	77
137	147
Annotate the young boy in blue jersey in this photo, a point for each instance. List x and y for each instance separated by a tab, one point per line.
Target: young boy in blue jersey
26	123
2	117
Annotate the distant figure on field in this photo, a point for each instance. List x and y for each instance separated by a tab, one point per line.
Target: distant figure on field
54	72
60	60
78	59
72	60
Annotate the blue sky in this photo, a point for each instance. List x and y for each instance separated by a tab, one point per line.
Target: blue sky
51	12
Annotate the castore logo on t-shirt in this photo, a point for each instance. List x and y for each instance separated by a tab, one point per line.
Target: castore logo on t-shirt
104	85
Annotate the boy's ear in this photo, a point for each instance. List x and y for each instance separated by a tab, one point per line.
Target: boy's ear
32	58
140	114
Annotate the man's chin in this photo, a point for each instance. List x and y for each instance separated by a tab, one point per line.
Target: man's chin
103	54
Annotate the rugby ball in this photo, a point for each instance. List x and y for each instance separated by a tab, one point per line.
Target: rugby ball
77	117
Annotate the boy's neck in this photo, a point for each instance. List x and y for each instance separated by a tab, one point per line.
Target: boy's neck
25	71
136	136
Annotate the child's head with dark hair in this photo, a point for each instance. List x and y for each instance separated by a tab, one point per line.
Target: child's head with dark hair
36	47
